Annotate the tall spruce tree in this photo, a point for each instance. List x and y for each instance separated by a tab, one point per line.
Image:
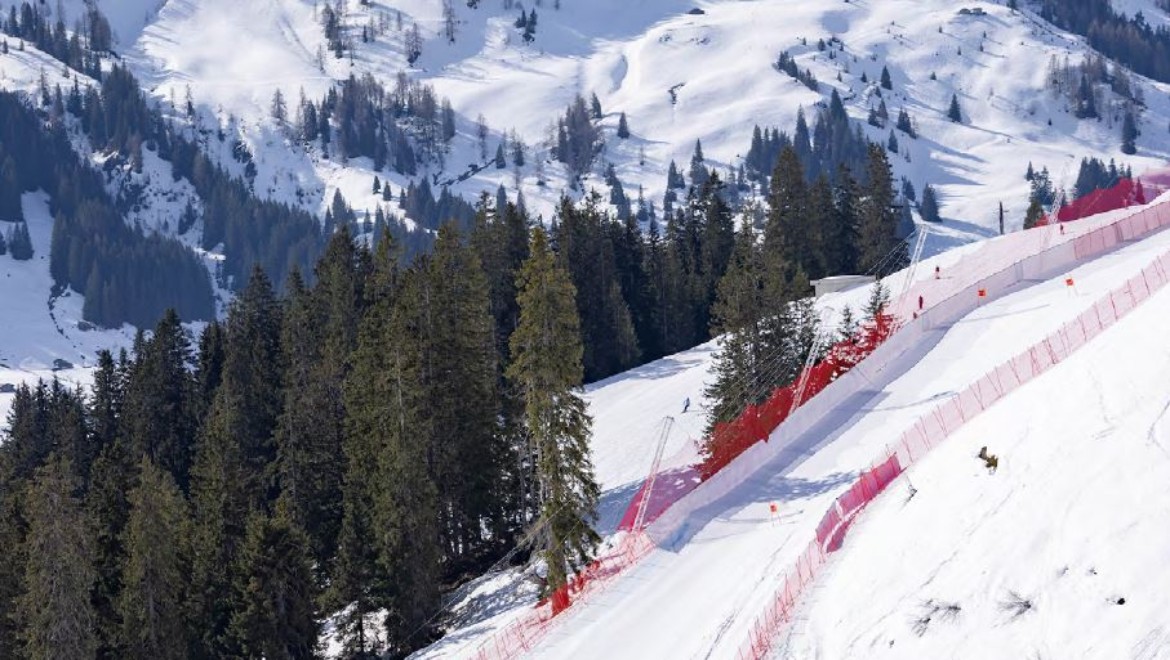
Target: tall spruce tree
152	600
360	583
160	414
233	473
58	620
954	112
881	252
277	617
929	205
737	316
546	350
398	424
318	334
459	382
786	236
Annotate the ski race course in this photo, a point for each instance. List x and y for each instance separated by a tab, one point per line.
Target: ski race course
1014	320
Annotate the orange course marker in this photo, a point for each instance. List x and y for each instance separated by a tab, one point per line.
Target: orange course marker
1069	282
982	293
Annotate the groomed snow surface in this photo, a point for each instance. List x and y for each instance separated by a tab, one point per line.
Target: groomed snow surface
1035	558
1060	554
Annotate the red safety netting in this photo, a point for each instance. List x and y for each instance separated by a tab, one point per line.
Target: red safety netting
523	634
730	439
829	537
934	427
1127	192
669	486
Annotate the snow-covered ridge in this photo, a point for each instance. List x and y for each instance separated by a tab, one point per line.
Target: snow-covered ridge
678	76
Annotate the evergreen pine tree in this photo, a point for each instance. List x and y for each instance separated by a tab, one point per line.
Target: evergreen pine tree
360	582
623	130
319	332
880	251
929	205
546	349
698	172
152	600
393	416
277	618
110	480
824	257
459	388
58	620
954	113
737	316
234	471
1129	134
160	408
19	243
786	236
885	79
674	178
1034	213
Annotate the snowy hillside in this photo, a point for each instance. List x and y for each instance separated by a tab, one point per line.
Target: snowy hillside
697	594
1058	554
42	335
678	76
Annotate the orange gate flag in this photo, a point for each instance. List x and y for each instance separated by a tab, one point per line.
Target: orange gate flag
1069	282
982	293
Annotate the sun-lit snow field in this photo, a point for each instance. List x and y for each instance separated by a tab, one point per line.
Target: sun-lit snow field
1069	500
1074	522
679	77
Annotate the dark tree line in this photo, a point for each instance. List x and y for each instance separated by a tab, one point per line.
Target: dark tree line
1130	40
364	443
1095	174
361	117
787	64
124	275
78	48
117	120
832	142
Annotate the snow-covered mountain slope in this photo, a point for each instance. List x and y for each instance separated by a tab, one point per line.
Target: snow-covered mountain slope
698	594
1059	554
678	76
42	335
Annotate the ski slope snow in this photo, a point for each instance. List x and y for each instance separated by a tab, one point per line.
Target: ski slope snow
699	592
1059	554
